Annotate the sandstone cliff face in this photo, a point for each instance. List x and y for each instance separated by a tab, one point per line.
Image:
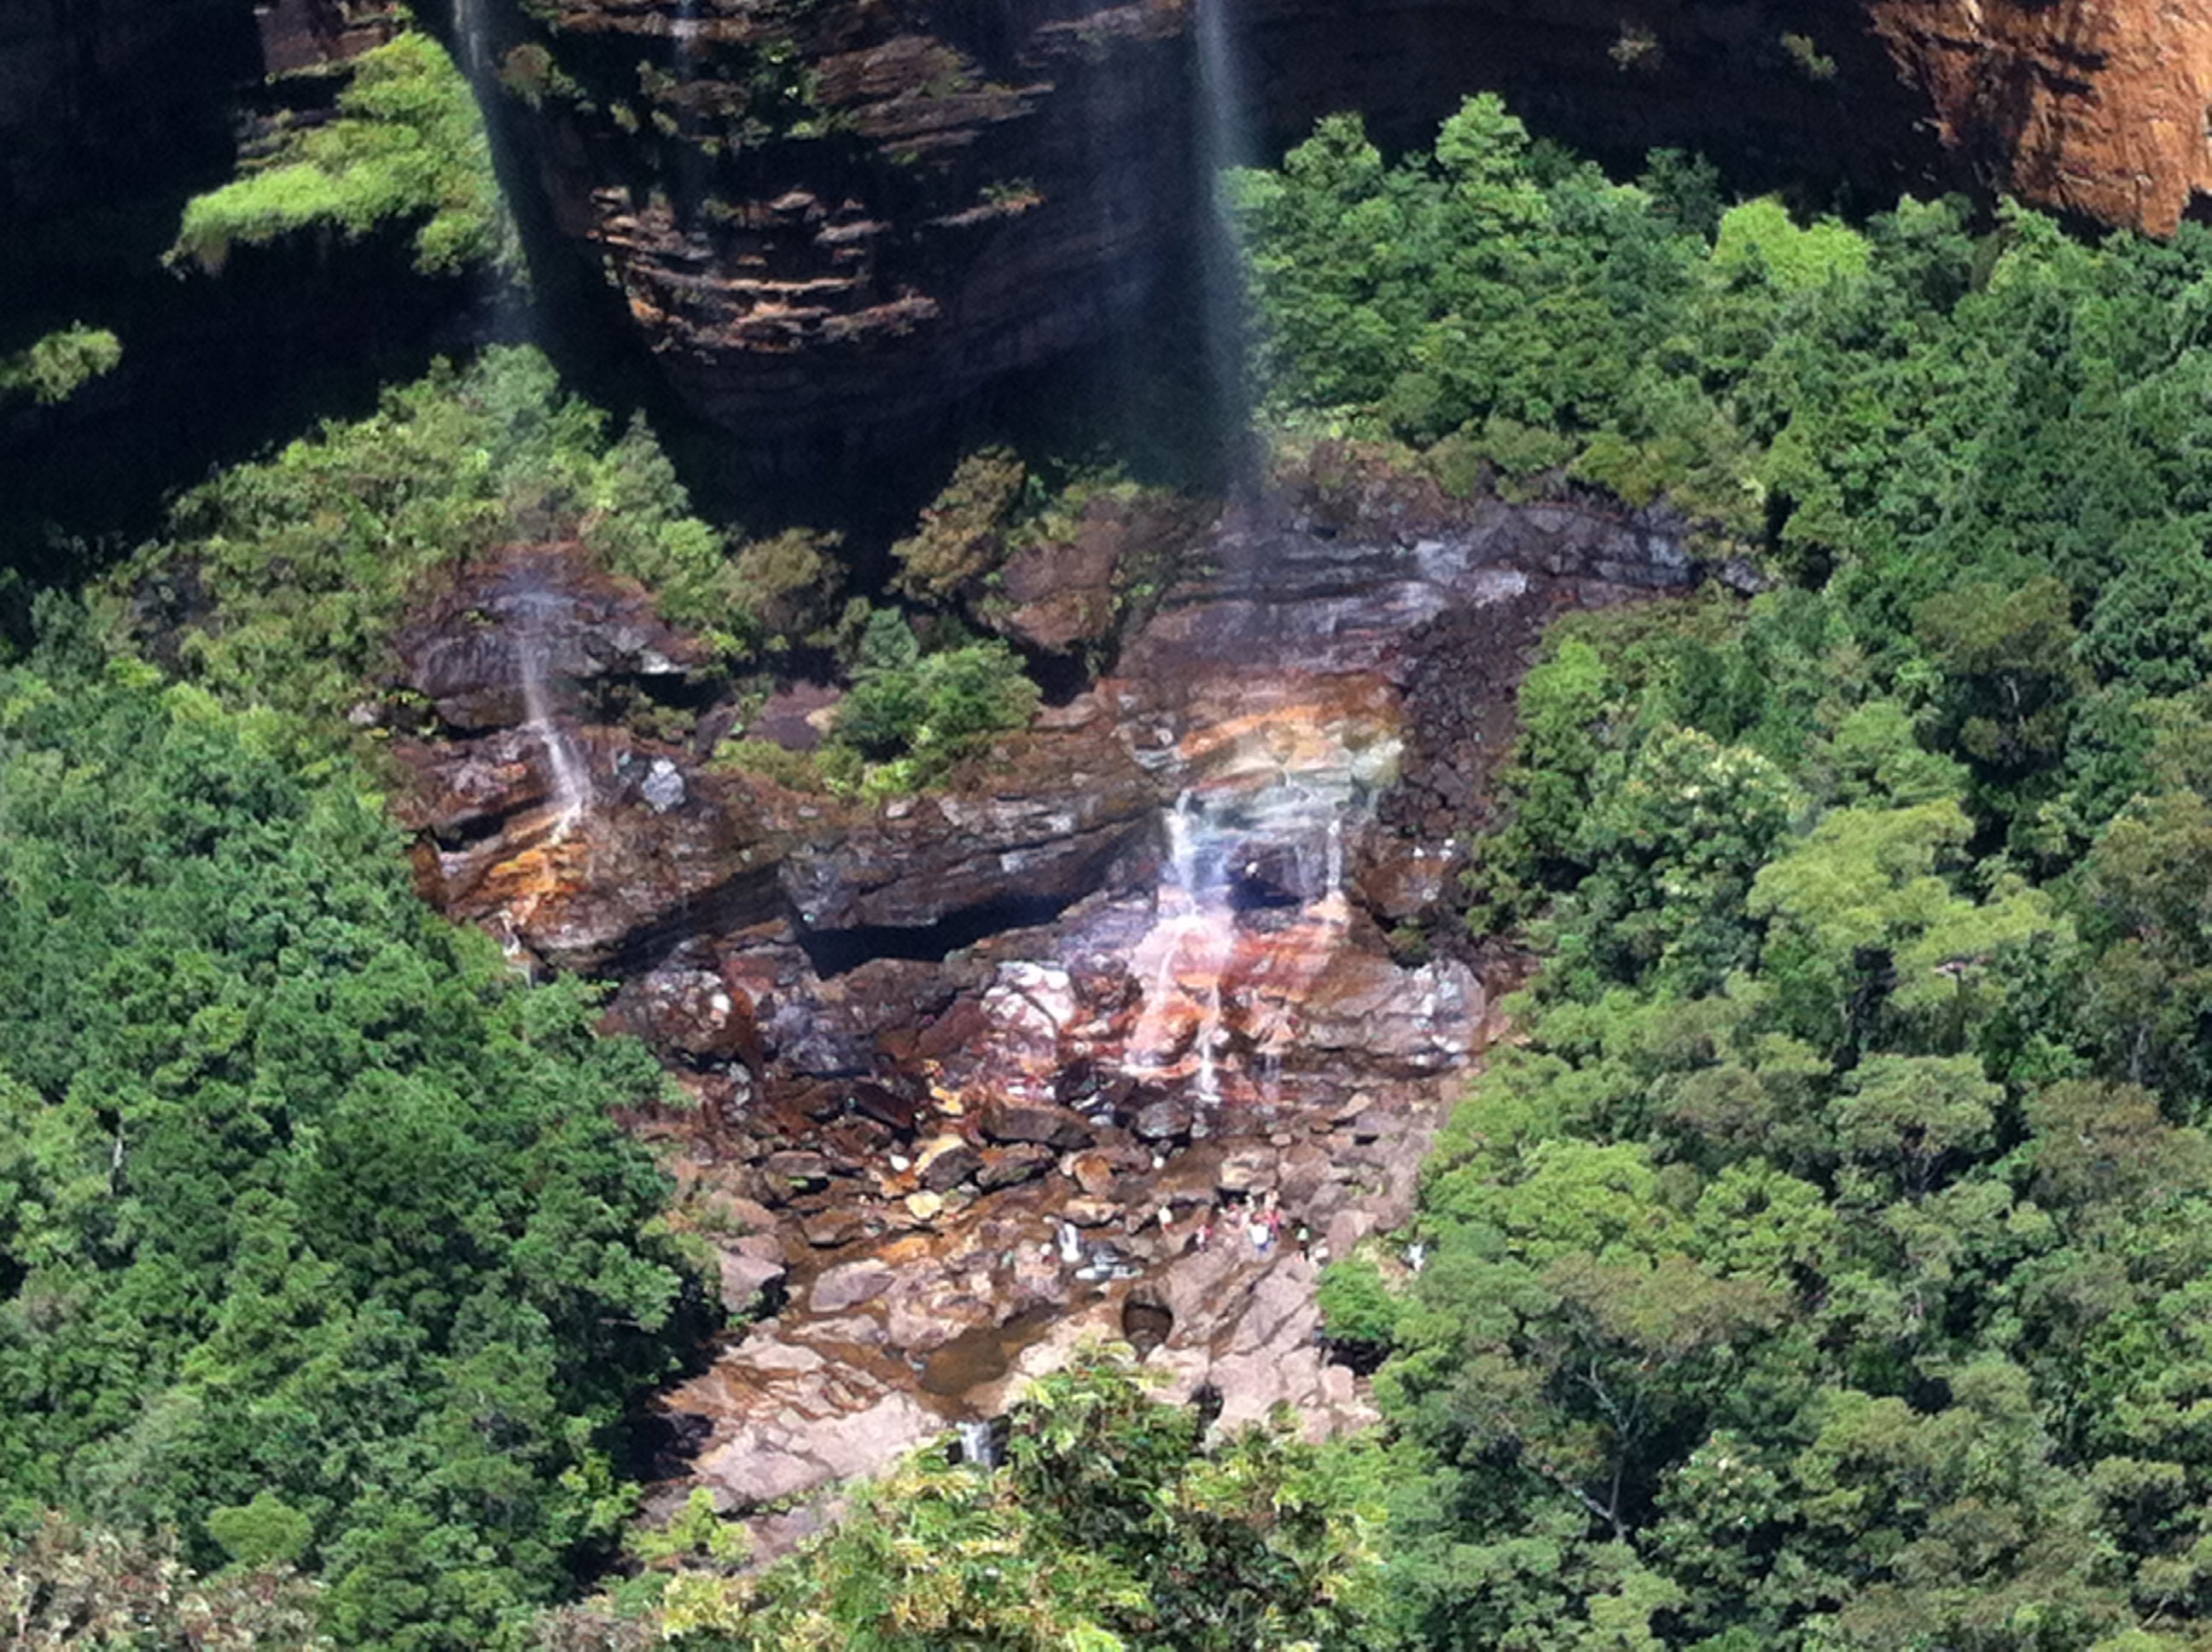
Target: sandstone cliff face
2102	108
832	216
838	216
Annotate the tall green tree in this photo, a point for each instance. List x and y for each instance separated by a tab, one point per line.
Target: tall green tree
318	1242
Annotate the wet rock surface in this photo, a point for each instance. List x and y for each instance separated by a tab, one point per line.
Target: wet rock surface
1104	1041
463	651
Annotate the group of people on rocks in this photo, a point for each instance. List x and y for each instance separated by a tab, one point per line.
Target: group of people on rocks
1261	1226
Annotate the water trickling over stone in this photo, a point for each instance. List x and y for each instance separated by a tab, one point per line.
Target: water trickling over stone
533	650
1181	959
958	1164
978	1446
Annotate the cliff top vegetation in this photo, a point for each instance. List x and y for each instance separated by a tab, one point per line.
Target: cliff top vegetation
406	144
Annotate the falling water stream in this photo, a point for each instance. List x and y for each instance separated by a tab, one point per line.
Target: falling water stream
1185	960
1186	953
685	31
533	652
469	35
978	1445
1225	141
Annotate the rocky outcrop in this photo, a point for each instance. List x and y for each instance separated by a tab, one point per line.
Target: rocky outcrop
834	215
464	651
1059	806
2100	107
976	1075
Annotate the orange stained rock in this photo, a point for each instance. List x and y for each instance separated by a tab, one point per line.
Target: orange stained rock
2096	106
551	869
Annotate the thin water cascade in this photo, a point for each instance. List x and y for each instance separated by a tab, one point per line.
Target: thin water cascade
533	651
1225	141
469	35
1250	908
1187	951
504	288
686	32
979	1447
685	36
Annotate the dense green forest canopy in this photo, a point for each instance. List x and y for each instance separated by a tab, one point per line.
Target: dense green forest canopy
1823	1268
319	1244
1826	1268
1890	412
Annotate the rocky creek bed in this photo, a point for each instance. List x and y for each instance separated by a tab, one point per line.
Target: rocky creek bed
976	1075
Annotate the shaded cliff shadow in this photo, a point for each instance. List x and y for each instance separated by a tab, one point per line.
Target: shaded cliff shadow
1827	122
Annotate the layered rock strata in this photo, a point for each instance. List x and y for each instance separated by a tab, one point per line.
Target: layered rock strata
979	1074
829	217
828	220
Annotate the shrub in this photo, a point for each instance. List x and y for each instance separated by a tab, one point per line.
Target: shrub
58	365
923	711
962	535
409	143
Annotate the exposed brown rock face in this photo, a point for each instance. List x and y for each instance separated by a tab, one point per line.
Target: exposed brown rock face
974	1072
2102	108
831	217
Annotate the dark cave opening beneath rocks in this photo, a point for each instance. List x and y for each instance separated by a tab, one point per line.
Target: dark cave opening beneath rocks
1146	1322
835	952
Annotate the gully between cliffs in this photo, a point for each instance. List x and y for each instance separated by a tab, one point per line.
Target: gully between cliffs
946	1163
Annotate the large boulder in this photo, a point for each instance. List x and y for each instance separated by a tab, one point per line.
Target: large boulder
1030	829
1037	1122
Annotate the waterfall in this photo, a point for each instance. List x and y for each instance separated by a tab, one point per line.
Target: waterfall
509	309
1224	142
977	1444
686	32
572	785
1189	948
469	36
684	35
